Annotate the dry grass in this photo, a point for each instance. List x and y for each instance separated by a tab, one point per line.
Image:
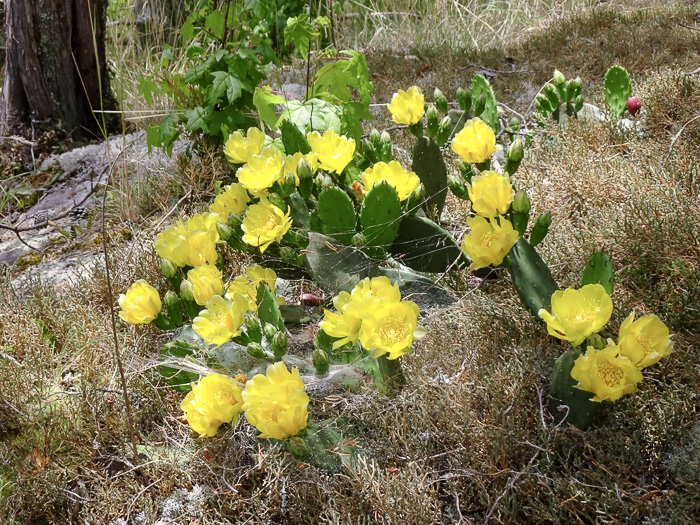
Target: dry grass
469	439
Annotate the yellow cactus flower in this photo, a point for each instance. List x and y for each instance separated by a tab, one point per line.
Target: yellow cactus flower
221	320
491	194
644	341
391	328
291	162
206	282
264	223
393	174
576	314
247	285
261	171
407	107
233	199
489	242
140	304
214	400
476	142
239	149
352	307
192	243
606	374
276	403
334	151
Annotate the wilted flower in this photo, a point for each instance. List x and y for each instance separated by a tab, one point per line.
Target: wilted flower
239	149
644	341
489	242
206	282
247	285
606	374
334	151
216	399
353	307
192	243
261	171
491	194
393	174
264	223
407	107
576	314
276	403
140	304
233	199
221	319
391	328
476	142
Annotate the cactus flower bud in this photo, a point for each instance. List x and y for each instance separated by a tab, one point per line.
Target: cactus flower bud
270	330
575	87
578	103
256	350
521	203
169	270
359	240
251	321
464	99
224	230
433	121
319	358
515	124
559	78
440	100
234	220
298	449
466	170
289	184
280	340
304	169
173	307
323	180
374	136
290	256
385	137
515	152
443	133
457	187
540	229
187	290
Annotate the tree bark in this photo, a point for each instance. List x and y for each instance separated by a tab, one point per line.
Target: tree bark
55	69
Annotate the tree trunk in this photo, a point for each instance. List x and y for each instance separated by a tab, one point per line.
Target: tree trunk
55	69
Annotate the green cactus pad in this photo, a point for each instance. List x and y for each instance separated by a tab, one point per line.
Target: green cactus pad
532	278
575	404
299	211
293	139
423	246
618	89
430	167
268	309
336	214
173	353
481	86
599	270
380	215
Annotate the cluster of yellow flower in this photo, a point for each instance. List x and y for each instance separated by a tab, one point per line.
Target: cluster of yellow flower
140	304
275	403
374	314
613	371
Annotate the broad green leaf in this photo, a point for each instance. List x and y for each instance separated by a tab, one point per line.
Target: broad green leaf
334	80
264	100
187	30
312	115
147	86
300	32
168	132
196	120
225	84
215	23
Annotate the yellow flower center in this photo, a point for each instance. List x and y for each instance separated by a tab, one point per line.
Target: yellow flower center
225	397
610	375
222	318
272	413
585	315
488	239
269	224
645	342
392	330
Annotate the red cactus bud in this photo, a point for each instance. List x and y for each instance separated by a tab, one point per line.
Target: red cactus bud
309	299
633	106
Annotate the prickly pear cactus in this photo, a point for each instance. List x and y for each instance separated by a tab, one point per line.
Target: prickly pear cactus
423	246
336	214
618	89
531	277
268	309
566	401
380	214
599	270
481	86
293	139
430	167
